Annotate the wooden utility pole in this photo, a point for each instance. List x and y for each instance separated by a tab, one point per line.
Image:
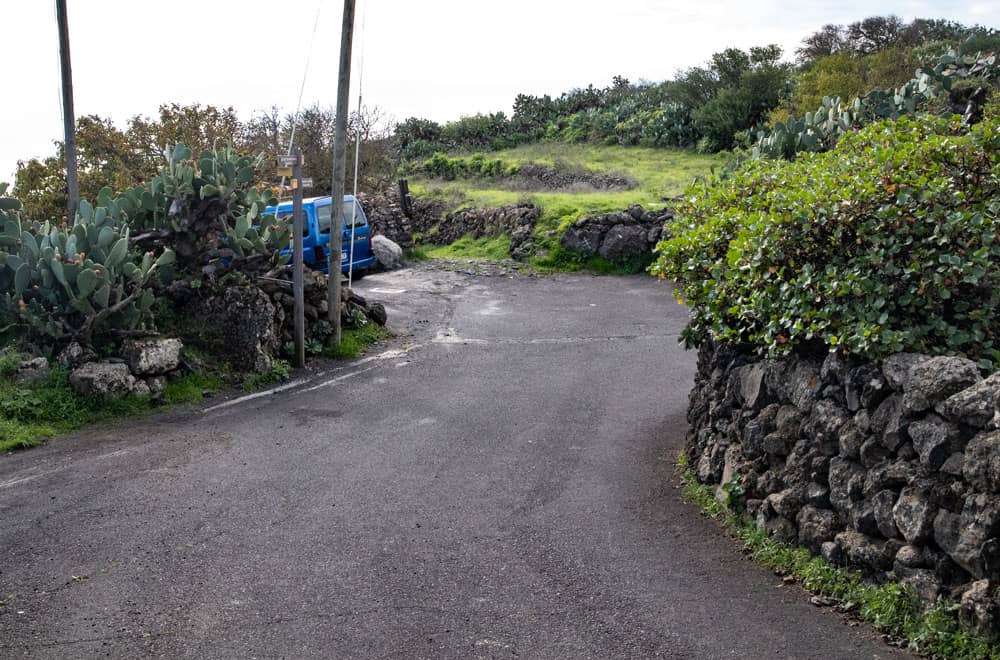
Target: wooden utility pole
297	256
339	168
69	118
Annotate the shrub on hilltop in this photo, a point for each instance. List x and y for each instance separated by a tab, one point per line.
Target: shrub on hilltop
889	242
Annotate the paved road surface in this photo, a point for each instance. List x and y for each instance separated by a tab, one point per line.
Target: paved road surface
498	483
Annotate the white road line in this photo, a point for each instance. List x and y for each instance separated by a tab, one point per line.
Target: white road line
338	379
385	355
256	395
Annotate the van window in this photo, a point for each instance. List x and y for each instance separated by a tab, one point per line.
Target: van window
323	214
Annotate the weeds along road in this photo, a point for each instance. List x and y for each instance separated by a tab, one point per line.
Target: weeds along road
498	483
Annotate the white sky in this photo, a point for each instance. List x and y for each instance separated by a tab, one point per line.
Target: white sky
439	59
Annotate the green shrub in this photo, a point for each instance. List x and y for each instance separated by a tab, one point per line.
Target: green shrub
10	360
887	243
354	341
476	166
280	371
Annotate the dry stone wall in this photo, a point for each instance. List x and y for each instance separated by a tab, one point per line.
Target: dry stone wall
891	467
617	236
385	215
516	220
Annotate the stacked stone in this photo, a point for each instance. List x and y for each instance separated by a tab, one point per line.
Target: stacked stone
144	367
516	220
892	467
533	176
316	304
620	235
386	217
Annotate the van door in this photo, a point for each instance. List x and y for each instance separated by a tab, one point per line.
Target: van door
361	232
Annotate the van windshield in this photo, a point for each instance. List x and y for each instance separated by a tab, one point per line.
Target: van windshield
323	214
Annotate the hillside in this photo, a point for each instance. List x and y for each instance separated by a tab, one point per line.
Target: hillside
639	176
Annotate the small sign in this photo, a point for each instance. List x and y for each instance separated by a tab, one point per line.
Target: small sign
294	184
285	172
287	161
307	182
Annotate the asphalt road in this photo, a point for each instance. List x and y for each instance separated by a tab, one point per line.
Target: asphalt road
498	482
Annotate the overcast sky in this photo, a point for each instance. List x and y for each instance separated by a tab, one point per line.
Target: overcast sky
439	59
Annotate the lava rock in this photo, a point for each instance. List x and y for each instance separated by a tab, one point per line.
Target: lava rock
981	467
975	405
932	438
103	379
151	357
817	526
914	515
931	381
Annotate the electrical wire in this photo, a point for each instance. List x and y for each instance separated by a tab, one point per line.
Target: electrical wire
302	89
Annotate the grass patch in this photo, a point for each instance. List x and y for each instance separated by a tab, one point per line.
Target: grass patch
662	172
890	608
354	341
191	388
279	372
659	173
560	260
495	248
416	253
31	412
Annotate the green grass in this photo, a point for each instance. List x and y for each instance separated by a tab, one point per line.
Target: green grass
659	173
279	372
890	608
416	253
354	341
493	249
32	412
191	388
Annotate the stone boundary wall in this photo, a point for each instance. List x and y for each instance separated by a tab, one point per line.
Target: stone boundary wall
615	236
892	468
620	235
386	217
517	220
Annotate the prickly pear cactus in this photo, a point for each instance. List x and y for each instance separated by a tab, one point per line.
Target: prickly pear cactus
820	130
211	210
59	284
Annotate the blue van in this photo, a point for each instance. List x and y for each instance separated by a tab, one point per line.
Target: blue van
317	213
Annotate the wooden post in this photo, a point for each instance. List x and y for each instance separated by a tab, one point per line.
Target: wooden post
297	258
339	168
404	198
69	118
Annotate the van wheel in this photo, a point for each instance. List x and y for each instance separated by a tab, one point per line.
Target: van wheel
359	273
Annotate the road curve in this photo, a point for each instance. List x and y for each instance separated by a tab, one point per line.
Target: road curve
497	483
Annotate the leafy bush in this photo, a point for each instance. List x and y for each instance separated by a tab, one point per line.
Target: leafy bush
887	243
476	166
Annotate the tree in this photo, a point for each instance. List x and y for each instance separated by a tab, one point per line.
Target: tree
874	33
729	66
828	40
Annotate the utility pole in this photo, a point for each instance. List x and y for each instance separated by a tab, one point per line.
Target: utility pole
339	168
69	118
297	273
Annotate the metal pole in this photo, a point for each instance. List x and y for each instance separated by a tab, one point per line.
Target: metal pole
297	274
339	168
69	118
